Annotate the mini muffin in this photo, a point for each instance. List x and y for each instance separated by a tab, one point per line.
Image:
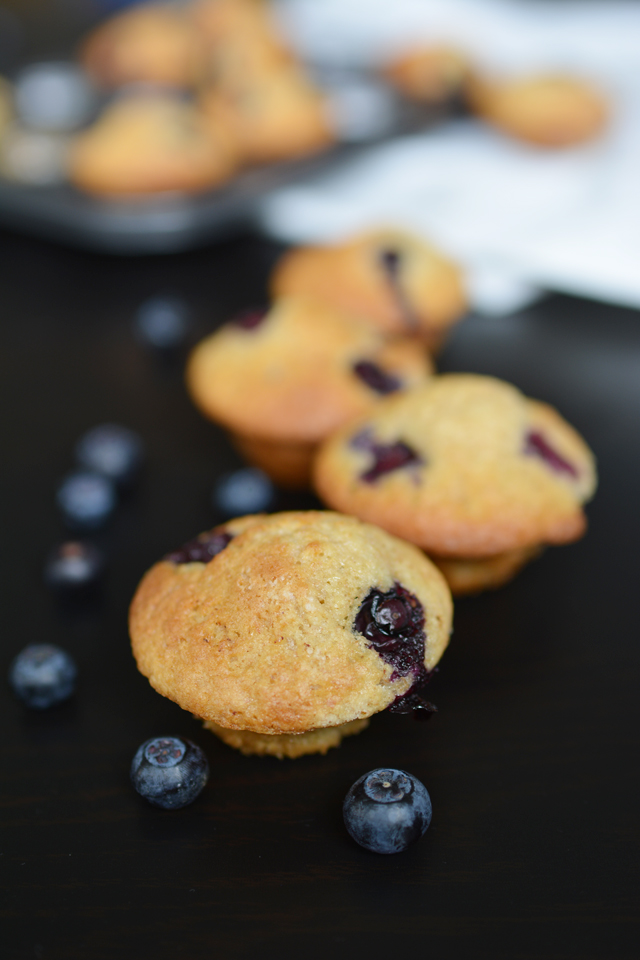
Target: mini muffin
152	43
145	144
276	115
295	626
219	21
283	380
430	75
392	279
467	468
549	111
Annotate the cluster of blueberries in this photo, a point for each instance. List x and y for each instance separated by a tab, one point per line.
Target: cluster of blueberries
384	811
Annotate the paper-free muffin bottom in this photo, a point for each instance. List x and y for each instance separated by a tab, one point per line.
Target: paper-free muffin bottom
472	575
287	463
289	745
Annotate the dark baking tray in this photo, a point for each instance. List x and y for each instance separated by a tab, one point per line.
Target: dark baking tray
532	760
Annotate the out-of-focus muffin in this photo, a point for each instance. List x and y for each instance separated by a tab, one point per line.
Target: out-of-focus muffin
429	74
282	381
547	110
152	43
392	279
146	144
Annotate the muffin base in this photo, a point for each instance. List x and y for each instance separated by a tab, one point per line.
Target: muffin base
289	745
487	573
288	464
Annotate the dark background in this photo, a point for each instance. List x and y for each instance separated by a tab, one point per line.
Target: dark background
532	761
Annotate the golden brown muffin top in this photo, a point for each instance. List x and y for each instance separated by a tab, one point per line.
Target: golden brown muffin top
392	279
465	466
298	371
268	635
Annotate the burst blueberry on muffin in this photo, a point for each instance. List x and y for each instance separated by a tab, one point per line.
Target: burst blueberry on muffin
283	380
285	633
467	468
395	281
546	110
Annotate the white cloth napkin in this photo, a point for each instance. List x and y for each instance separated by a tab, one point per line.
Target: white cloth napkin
519	218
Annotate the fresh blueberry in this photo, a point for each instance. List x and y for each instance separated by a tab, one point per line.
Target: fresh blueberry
73	565
386	810
242	492
169	772
376	378
112	450
536	445
43	675
162	322
203	548
54	96
86	499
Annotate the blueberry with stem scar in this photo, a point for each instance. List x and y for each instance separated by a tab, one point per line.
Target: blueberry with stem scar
169	772
43	675
386	810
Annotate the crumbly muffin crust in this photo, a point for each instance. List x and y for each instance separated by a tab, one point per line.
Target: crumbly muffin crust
476	475
262	637
392	279
292	378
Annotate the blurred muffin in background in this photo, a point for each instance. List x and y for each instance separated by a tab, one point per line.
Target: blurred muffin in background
6	104
283	380
152	43
219	20
394	280
429	74
148	143
546	110
277	116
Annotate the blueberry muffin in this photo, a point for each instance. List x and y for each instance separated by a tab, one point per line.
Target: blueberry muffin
273	115
152	43
149	143
6	104
285	633
392	279
467	468
549	111
429	75
283	380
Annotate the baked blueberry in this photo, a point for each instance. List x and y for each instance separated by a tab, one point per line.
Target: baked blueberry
86	499
73	565
162	322
376	378
386	810
536	445
43	675
250	319
169	772
243	492
388	457
111	450
203	548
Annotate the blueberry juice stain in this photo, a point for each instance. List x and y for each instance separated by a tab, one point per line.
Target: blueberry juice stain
376	378
392	623
387	457
249	319
391	263
536	445
203	549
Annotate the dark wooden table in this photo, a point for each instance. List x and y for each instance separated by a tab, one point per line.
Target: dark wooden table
532	761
